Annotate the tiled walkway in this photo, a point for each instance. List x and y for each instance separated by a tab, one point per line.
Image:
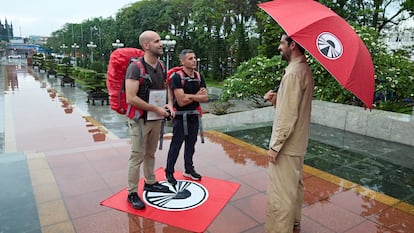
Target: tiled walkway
73	165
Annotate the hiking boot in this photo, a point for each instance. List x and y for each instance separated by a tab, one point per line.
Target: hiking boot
136	203
170	178
156	187
192	175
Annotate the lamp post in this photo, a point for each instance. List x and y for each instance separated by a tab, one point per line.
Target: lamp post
91	46
117	44
198	64
98	29
63	47
169	46
74	47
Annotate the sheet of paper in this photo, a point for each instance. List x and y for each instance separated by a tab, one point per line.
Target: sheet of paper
157	98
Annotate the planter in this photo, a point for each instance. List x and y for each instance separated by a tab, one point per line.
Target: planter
51	73
67	79
98	95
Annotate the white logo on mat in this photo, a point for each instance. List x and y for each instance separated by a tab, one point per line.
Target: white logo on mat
184	196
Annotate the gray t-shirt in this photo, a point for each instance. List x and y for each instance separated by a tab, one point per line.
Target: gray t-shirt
156	78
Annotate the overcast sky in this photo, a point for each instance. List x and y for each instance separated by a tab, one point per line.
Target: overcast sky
42	17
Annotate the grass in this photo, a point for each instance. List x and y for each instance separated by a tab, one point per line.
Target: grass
213	83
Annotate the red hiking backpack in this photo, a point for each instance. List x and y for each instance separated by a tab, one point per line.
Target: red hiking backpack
179	70
115	82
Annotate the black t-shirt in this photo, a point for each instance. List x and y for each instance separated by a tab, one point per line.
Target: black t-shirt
192	86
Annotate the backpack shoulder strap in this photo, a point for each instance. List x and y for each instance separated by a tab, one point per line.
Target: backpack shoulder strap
140	66
182	76
162	66
198	76
185	79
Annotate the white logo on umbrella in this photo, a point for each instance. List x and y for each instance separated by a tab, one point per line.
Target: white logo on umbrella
329	45
184	196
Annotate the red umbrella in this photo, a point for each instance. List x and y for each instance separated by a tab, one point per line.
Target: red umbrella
330	39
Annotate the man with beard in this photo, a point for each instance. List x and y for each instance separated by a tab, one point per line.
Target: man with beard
289	140
145	133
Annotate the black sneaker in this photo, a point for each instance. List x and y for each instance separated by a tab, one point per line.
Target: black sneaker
170	178
192	175
156	187
136	203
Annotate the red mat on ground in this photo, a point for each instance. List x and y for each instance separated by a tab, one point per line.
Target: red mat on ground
192	205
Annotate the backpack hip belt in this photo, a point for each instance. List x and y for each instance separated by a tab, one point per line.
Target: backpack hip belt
185	124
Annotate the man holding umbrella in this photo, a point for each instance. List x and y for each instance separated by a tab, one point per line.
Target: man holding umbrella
289	139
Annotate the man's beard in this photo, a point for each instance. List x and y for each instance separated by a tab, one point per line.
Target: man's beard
285	56
157	52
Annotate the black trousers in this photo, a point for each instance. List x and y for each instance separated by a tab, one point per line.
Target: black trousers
177	141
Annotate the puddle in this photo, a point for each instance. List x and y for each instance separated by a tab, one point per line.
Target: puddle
345	155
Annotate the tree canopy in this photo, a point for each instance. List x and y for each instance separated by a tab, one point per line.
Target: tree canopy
224	34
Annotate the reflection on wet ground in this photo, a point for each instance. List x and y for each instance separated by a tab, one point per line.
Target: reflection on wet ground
382	166
71	161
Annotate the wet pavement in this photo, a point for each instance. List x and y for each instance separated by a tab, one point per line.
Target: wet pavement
383	166
61	156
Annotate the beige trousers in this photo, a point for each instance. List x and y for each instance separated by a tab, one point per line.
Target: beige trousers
284	194
144	141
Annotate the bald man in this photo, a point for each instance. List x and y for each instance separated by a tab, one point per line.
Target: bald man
145	133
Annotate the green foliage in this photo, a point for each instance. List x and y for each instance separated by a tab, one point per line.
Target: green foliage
97	66
378	14
236	31
89	80
50	64
253	78
38	60
270	33
213	82
141	16
394	72
211	28
66	60
64	69
327	88
394	79
400	107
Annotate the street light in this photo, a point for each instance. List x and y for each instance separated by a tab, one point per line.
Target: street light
97	28
117	44
74	47
91	45
169	46
198	64
63	47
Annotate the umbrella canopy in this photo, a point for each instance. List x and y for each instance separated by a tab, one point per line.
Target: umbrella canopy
330	40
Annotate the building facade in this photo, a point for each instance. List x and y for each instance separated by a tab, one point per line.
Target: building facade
6	31
397	39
